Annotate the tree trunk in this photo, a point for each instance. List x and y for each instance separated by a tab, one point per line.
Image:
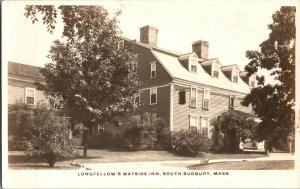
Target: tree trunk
85	143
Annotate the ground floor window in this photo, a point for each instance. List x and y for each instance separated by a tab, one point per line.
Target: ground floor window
193	123
199	124
204	126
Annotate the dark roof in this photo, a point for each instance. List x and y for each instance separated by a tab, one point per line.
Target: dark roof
24	70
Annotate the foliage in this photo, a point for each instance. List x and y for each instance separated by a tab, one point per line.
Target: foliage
275	103
105	139
149	133
189	143
89	77
52	138
142	134
21	125
230	127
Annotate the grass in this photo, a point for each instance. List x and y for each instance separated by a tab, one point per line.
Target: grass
18	160
247	165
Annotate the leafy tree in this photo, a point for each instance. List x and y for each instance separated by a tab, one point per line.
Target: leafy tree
52	139
274	103
89	77
232	126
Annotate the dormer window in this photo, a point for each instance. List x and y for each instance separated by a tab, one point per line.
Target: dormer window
153	70
121	44
235	75
215	70
252	81
193	64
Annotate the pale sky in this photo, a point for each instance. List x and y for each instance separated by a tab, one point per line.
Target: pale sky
230	27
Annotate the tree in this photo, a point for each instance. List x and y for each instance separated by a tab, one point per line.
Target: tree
51	139
233	126
274	103
90	78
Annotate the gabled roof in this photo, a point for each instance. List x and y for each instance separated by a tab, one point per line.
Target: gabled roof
210	61
186	56
230	67
24	70
177	70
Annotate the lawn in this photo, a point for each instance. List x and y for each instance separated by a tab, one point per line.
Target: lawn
247	165
18	160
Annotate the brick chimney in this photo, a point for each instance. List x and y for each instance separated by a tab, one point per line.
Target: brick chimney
148	35
201	48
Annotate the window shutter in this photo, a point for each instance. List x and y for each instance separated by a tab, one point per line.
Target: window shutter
182	99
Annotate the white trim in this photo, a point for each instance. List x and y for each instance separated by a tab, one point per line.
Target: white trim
197	121
191	96
158	86
194	57
121	44
212	89
237	76
153	68
206	98
155	95
33	80
34	95
212	70
171	106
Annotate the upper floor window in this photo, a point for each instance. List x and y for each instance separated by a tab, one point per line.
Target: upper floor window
193	64
121	44
153	95
193	123
231	101
29	96
215	71
193	101
206	98
153	70
235	75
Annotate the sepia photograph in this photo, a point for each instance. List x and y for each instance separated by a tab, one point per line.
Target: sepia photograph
150	94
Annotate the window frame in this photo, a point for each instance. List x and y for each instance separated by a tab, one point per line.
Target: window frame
26	95
235	76
136	118
121	44
152	69
151	92
206	97
193	63
197	122
232	105
207	125
193	96
137	95
213	71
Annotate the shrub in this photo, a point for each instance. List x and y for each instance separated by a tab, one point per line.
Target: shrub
44	133
231	127
189	143
149	133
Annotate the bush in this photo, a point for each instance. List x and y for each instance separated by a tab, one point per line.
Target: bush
230	128
148	133
189	143
42	132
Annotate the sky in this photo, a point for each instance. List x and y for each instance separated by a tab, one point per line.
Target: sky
231	27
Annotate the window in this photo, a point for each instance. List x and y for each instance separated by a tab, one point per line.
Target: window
153	70
204	126
215	71
193	101
232	101
206	98
235	75
136	118
252	82
153	95
153	117
193	63
137	99
29	96
182	99
121	44
193	123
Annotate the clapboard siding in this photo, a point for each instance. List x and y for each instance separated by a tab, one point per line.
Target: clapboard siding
218	103
145	57
161	109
